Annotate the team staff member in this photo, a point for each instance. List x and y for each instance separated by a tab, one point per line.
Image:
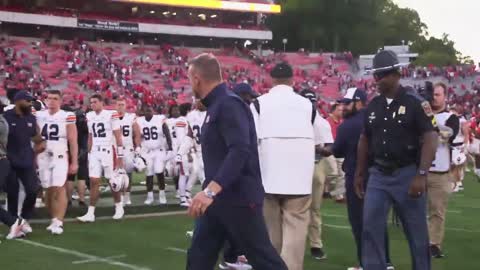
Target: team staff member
288	131
82	173
438	181
6	218
345	146
400	139
230	206
23	130
320	173
336	177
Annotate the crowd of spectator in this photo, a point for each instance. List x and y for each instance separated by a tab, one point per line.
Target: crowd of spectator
158	76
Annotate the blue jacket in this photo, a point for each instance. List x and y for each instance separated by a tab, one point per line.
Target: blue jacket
229	148
346	142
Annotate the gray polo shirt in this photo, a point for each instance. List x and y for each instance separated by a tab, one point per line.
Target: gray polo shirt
3	136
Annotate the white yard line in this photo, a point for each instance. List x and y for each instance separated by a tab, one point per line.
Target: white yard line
109	258
134	216
179	250
83	256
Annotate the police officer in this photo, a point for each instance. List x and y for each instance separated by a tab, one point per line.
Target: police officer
23	130
400	139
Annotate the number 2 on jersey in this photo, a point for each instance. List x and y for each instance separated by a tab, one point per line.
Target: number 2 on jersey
99	130
51	132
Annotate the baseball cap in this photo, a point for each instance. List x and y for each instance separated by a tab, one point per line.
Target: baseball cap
23	95
385	61
244	88
354	94
309	94
282	71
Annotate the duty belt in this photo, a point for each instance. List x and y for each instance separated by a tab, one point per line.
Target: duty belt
389	167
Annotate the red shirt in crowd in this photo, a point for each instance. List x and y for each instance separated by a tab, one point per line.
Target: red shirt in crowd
334	124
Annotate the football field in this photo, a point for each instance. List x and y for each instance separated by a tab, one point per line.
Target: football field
154	238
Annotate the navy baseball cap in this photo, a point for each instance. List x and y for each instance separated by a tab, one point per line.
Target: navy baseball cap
282	71
23	95
354	94
244	88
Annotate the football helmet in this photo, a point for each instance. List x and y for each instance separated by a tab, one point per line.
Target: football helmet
139	163
119	180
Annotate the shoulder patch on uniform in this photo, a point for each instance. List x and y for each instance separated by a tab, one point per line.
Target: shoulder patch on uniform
427	108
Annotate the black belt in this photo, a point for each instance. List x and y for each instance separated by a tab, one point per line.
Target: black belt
456	144
440	172
389	167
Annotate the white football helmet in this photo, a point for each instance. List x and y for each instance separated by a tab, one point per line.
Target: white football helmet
458	155
119	180
139	163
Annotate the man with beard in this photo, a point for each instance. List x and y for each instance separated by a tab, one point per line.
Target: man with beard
23	130
345	146
396	147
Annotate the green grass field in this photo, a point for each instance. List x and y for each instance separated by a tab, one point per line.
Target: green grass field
160	242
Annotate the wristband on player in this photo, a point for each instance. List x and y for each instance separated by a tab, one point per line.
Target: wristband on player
120	151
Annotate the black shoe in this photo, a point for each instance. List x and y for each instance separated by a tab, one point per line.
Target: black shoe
318	254
390	266
436	252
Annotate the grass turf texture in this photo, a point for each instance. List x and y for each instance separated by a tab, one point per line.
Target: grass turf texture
160	242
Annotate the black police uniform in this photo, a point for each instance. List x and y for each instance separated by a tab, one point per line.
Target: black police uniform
394	132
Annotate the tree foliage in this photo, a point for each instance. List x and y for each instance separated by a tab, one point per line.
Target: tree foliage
359	26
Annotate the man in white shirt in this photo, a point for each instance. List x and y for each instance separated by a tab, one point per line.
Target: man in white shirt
321	171
288	130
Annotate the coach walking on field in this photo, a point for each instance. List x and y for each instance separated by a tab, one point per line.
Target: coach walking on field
230	206
288	130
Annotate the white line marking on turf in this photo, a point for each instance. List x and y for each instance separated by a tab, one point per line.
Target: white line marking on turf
109	258
134	216
83	255
174	249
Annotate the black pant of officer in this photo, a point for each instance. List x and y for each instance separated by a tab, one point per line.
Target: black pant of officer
30	182
5	217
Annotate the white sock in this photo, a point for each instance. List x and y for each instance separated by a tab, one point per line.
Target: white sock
161	193
192	180
91	210
182	184
150	195
118	205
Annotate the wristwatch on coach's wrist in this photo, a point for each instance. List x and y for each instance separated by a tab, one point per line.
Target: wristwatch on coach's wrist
210	194
422	173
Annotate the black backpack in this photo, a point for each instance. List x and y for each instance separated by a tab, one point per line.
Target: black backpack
256	104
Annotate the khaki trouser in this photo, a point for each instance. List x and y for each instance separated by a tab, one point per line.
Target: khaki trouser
439	189
287	218
336	177
322	169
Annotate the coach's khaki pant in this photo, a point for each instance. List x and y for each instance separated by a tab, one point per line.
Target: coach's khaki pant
336	177
439	189
287	218
322	169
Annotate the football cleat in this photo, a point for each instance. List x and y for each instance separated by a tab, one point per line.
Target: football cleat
26	228
87	218
16	230
57	230
119	213
148	201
